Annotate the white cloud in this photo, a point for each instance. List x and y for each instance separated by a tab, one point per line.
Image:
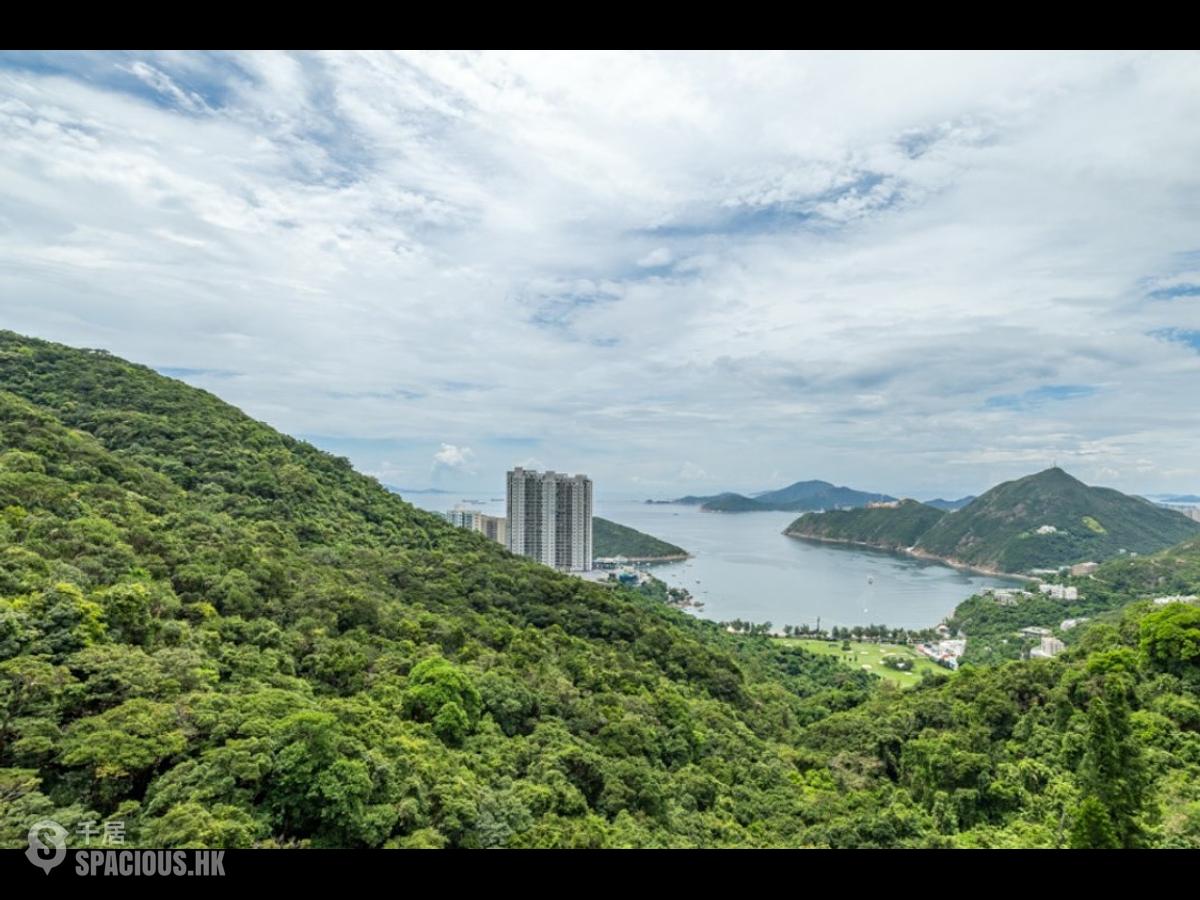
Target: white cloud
821	265
452	457
660	256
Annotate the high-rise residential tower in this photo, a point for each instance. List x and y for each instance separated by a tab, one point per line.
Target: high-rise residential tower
550	518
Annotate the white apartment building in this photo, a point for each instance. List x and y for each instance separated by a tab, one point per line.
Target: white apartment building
471	519
550	518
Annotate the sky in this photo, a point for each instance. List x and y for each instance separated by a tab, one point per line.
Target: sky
917	273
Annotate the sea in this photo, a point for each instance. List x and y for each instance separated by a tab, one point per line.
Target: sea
742	566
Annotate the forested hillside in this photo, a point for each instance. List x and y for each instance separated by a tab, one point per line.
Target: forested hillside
223	637
612	539
891	528
1052	519
1044	520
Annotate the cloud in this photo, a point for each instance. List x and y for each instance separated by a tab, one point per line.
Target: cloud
449	456
919	272
656	258
166	86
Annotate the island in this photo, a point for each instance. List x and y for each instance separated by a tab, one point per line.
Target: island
801	496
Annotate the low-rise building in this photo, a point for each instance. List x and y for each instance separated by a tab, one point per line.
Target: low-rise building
1049	647
1084	568
1059	591
1035	631
944	653
1068	624
1007	596
1176	598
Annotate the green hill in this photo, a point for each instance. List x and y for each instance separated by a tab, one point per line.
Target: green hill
1045	520
1169	572
892	528
610	539
223	637
1000	528
733	503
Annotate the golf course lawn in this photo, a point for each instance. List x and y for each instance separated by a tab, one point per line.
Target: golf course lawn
870	657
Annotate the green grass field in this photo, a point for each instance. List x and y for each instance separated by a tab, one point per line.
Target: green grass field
870	657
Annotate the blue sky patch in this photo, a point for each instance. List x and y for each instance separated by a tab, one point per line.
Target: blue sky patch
184	373
1039	396
1175	292
1188	336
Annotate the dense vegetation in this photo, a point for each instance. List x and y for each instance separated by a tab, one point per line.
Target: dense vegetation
1041	521
891	528
610	539
733	503
223	637
994	628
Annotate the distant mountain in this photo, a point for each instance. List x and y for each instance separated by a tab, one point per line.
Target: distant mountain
808	495
1174	498
1041	521
611	539
403	490
799	497
950	505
